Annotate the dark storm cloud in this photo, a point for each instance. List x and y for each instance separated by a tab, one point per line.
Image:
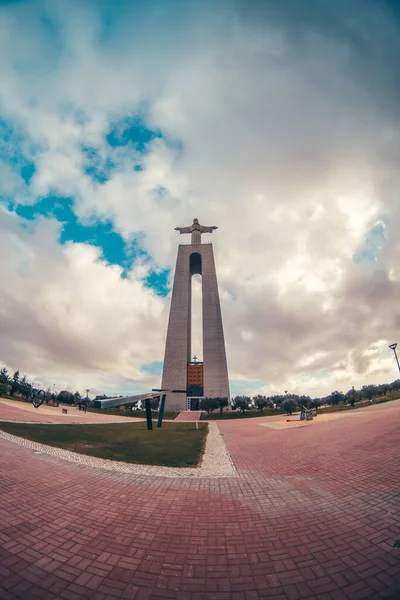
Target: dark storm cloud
366	31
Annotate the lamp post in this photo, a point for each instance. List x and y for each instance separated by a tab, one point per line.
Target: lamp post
393	347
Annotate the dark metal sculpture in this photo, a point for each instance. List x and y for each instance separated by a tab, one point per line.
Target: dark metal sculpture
161	413
148	414
38	397
305	413
162	403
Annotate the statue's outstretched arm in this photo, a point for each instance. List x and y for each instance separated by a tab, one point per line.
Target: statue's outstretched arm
183	229
205	229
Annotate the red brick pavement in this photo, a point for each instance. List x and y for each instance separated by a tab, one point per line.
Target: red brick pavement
313	514
44	414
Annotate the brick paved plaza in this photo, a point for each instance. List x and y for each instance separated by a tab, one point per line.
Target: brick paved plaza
313	513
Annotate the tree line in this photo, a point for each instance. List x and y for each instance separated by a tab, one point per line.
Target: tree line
12	385
259	402
290	402
15	385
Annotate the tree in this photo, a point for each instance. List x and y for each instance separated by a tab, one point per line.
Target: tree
335	398
209	404
4	376
14	383
65	397
48	396
222	403
277	400
315	403
261	402
303	400
242	403
352	396
289	405
383	389
25	388
394	386
369	391
5	389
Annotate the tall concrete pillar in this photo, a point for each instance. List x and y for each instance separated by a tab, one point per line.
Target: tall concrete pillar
194	258
216	382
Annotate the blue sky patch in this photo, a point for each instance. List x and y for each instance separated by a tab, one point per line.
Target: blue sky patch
373	243
153	368
11	151
127	138
100	169
131	131
159	281
114	248
27	172
99	234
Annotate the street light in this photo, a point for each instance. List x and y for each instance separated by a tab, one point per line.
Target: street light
393	347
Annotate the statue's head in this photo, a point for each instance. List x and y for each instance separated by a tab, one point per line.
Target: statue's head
195	221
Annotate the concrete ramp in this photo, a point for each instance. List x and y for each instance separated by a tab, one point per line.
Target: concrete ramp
117	402
189	415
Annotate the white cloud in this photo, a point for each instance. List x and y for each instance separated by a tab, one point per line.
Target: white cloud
289	139
68	316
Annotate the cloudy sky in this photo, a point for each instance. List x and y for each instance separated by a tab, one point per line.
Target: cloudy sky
277	121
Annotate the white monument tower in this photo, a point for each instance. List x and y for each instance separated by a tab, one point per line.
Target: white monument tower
209	378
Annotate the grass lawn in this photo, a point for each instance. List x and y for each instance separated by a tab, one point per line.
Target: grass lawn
342	406
172	445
